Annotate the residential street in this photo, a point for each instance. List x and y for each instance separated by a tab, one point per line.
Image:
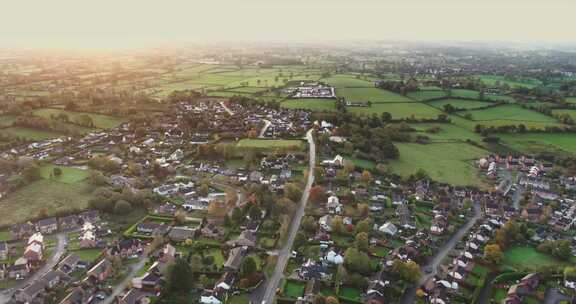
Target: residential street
267	290
226	108
59	250
134	268
410	293
267	124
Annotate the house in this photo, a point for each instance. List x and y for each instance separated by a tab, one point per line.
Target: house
211	231
87	237
100	272
333	257
48	225
76	296
30	292
180	234
69	264
19	270
134	296
388	228
33	252
3	251
312	270
127	248
324	223
150	281
209	299
337	162
69	222
235	259
246	238
53	278
333	205
21	231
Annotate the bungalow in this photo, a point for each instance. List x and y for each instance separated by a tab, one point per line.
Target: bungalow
388	228
69	222
180	234
69	264
21	231
30	292
234	259
134	296
150	281
53	278
48	225
100	272
211	231
337	162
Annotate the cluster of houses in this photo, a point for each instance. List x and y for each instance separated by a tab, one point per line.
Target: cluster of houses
526	164
312	90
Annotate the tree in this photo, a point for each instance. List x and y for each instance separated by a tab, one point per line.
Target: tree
309	224
122	207
493	254
318	195
362	242
248	266
570	273
179	277
409	270
293	192
357	261
367	177
337	224
364	225
180	216
96	178
254	212
31	173
237	216
331	300
57	171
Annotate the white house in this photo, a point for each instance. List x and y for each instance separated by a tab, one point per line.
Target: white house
333	205
388	228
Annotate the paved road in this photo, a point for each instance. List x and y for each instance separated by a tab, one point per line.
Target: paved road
267	124
410	293
272	282
554	296
59	250
226	108
134	268
518	194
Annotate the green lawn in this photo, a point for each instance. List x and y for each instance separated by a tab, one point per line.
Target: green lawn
374	95
52	196
362	163
398	110
239	299
270	144
5	235
350	293
28	133
570	99
347	81
294	289
100	121
527	258
313	104
445	162
88	255
541	142
465	93
459	103
510	113
69	175
424	95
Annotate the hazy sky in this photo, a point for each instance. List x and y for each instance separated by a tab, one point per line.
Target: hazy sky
105	23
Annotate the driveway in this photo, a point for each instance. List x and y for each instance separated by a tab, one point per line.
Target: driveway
118	289
59	251
267	291
410	293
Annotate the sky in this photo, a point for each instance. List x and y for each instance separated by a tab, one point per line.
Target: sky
125	23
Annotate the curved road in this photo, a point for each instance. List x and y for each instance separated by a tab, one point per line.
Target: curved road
284	254
409	296
6	295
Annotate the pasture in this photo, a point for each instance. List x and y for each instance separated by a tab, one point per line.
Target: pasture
492	80
424	95
28	133
313	104
541	142
69	175
462	93
270	144
510	113
445	162
447	132
570	99
459	103
7	120
571	113
398	110
374	95
100	121
347	81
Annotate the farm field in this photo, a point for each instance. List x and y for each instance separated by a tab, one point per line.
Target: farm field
52	196
374	95
492	80
462	93
459	103
445	162
7	120
100	121
69	175
270	143
398	110
571	113
570	99
448	132
313	104
426	94
527	258
347	81
27	133
510	113
541	142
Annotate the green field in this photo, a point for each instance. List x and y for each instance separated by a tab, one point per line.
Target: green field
444	162
313	104
69	175
571	113
510	113
52	196
570	99
491	80
28	133
465	93
374	95
7	120
398	110
347	81
293	289
448	132
424	95
527	258
459	103
270	143
100	121
541	142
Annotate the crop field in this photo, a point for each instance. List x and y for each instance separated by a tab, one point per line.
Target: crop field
270	143
100	121
347	81
69	175
424	95
445	162
510	113
448	132
314	104
398	110
459	103
541	142
53	196
491	80
374	95
31	134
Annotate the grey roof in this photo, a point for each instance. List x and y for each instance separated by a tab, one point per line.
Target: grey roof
235	258
48	221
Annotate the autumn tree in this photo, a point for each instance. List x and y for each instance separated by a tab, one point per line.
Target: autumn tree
493	254
318	195
367	177
361	241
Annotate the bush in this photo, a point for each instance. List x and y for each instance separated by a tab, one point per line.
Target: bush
122	207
